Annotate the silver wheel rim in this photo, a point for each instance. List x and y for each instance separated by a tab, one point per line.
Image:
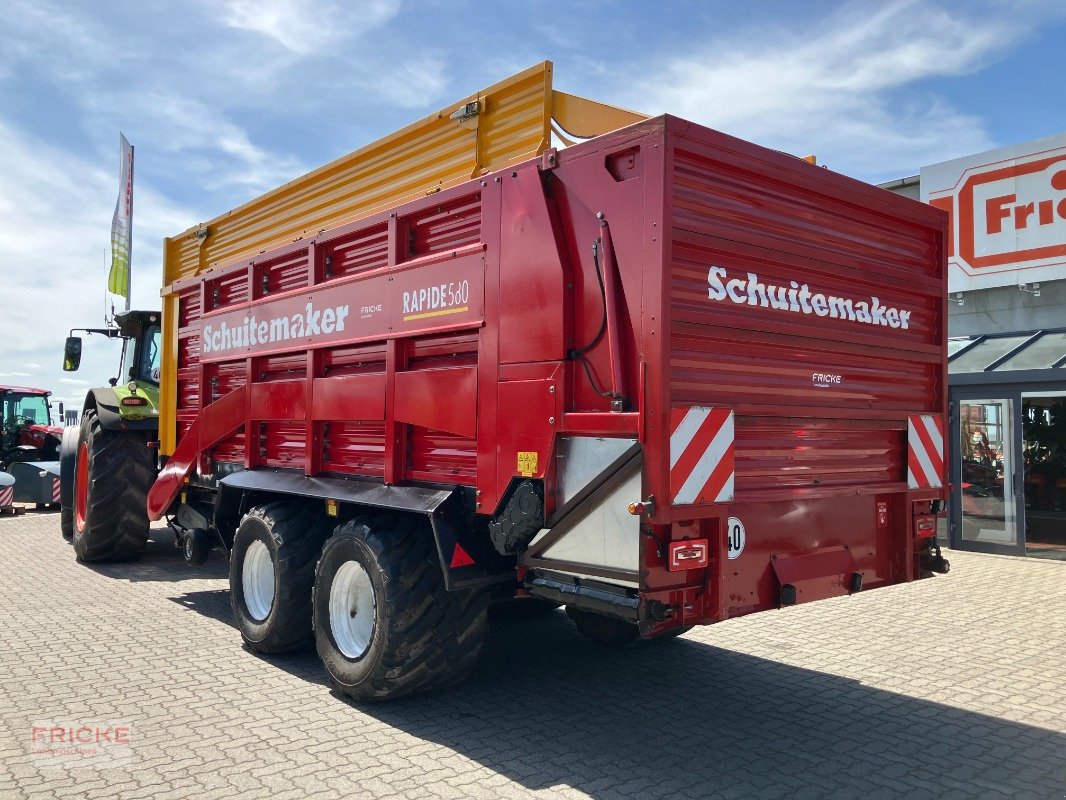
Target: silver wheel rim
352	609
257	580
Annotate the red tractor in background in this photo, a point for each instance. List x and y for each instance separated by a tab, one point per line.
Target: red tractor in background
29	444
28	434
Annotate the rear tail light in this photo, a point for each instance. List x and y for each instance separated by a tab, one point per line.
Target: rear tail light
925	526
134	401
690	554
642	507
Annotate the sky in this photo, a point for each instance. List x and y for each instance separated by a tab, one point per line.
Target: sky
226	99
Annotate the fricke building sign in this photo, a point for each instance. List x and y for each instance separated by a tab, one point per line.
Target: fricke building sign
1008	214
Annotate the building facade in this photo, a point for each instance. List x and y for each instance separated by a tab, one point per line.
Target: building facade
1007	344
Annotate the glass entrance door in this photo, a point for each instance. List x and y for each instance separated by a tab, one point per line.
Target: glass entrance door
986	503
1044	467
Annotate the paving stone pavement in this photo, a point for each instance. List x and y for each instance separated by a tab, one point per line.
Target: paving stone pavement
950	687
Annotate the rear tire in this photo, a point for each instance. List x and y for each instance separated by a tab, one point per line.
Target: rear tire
271	569
603	630
505	609
113	473
673	633
384	624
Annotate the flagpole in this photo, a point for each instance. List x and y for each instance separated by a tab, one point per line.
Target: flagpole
129	285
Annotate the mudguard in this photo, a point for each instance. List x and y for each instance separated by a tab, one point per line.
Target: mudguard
105	402
68	459
467	558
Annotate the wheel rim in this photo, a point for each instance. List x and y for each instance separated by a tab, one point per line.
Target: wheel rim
188	547
81	488
257	581
352	609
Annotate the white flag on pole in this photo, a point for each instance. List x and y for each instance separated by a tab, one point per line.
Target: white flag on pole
118	280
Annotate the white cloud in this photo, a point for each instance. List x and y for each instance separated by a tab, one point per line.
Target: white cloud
79	44
192	139
120	82
416	83
189	90
833	88
14	374
345	41
306	26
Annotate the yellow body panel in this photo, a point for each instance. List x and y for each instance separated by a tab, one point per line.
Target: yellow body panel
426	156
583	118
513	122
168	375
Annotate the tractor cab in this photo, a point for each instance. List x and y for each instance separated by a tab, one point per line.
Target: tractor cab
141	350
27	432
141	360
134	390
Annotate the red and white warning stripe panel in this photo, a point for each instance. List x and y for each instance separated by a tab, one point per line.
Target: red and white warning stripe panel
7	495
701	455
925	451
55	490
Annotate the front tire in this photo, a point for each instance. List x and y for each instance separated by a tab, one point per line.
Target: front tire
385	626
113	472
272	566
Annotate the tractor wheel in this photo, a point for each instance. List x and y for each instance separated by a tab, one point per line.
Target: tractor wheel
68	462
604	630
271	569
112	476
384	624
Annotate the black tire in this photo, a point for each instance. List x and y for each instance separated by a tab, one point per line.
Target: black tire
603	630
506	609
196	546
121	469
293	534
68	459
423	636
673	633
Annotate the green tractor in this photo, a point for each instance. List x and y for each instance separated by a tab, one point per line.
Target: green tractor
108	462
